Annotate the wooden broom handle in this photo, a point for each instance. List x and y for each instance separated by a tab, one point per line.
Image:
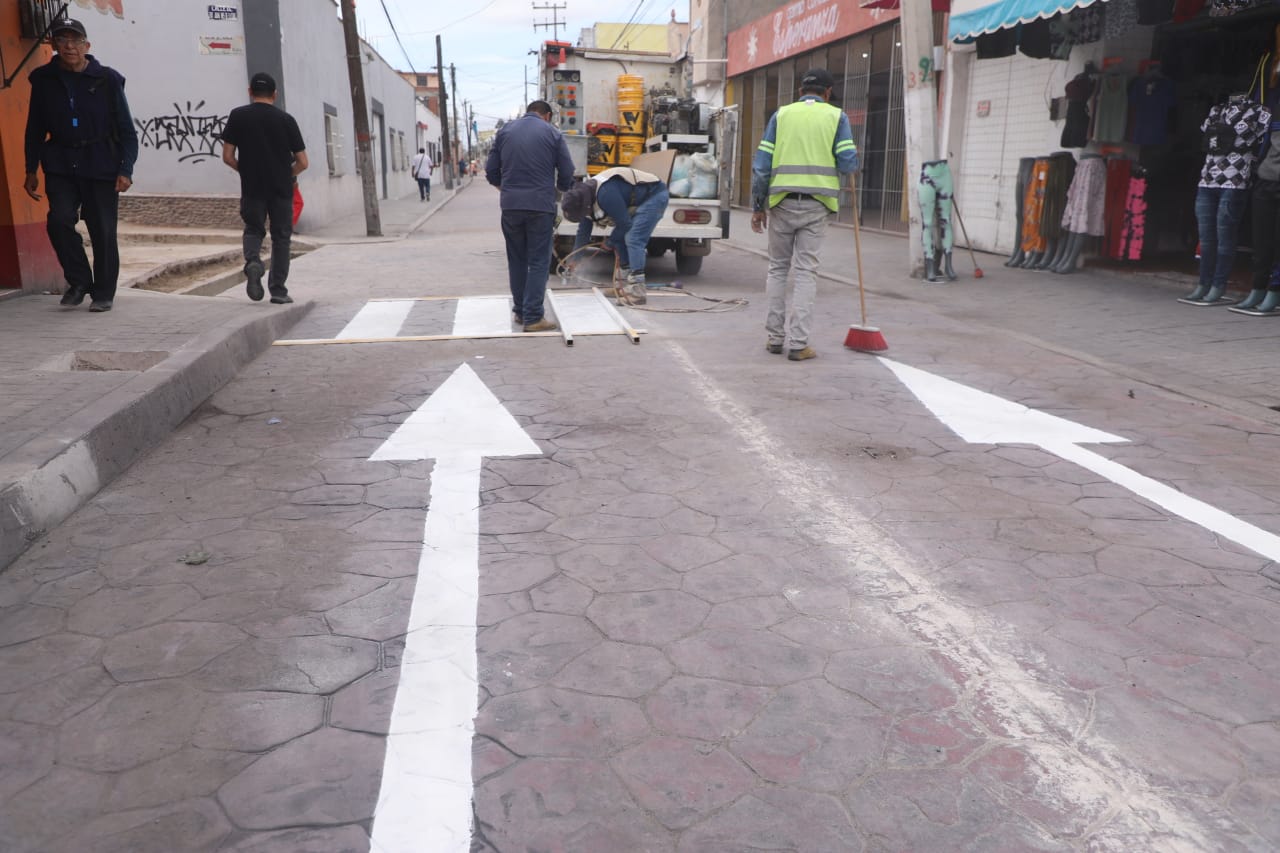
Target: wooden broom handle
857	243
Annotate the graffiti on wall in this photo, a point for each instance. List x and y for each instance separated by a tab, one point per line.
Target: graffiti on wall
188	134
112	7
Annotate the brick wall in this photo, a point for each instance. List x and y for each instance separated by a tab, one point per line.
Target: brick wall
192	211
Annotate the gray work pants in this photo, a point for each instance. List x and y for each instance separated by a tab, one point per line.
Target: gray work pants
796	230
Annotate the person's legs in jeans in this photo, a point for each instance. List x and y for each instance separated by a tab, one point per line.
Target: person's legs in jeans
253	211
513	234
1207	226
612	199
280	211
645	220
781	243
64	212
1230	210
811	228
100	207
538	234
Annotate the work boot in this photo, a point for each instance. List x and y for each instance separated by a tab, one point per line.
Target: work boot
98	306
776	349
73	295
1269	303
801	354
947	268
633	291
543	325
931	269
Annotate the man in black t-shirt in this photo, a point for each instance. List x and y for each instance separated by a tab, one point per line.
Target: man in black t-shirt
264	145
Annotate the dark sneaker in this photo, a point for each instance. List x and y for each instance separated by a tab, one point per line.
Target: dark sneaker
776	349
802	354
280	299
543	325
72	296
253	280
100	305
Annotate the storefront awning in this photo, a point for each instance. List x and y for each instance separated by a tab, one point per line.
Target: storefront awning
971	18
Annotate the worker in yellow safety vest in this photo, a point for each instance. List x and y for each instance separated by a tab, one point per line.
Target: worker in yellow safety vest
795	191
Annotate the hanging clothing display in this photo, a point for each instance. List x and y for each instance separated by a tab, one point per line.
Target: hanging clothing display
1152	99
1112	117
936	190
1079	91
1086	198
1121	17
1117	196
1222	8
1134	225
1033	207
1061	171
1232	131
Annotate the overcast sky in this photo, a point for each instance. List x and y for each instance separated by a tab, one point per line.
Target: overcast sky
489	40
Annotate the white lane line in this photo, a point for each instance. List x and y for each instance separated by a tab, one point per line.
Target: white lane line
1079	772
482	316
425	798
377	320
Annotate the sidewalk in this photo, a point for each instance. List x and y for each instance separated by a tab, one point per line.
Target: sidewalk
85	395
1128	323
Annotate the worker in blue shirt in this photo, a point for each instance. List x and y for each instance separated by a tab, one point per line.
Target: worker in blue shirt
529	161
80	132
795	192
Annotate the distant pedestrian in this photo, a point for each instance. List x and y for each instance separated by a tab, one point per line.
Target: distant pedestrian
421	168
633	201
795	176
80	131
529	161
263	144
462	166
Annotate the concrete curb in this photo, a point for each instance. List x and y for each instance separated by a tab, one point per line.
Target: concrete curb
52	476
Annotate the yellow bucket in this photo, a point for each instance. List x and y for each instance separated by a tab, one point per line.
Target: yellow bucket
629	147
596	168
631	120
603	148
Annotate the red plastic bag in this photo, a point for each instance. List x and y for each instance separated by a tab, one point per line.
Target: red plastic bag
297	204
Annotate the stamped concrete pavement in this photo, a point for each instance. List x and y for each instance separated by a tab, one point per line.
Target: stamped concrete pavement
738	603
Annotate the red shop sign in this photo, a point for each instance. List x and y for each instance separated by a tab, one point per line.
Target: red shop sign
797	27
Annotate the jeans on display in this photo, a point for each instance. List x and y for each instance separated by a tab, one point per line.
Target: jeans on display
255	212
1266	230
633	224
936	190
97	203
796	230
528	236
1218	213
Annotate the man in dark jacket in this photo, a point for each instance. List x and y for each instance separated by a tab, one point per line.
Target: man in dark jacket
529	161
80	132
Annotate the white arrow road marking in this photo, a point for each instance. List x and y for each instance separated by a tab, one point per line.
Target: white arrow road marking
425	799
381	319
982	418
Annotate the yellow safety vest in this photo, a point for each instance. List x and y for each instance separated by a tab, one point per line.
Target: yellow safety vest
803	161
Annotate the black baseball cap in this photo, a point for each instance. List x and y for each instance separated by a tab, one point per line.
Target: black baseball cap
578	200
817	78
65	24
262	83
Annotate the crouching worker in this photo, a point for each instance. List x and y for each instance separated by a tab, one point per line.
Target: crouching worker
634	202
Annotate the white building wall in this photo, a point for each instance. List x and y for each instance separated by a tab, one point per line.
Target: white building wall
179	95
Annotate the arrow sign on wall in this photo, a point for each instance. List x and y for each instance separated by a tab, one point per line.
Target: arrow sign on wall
982	418
425	799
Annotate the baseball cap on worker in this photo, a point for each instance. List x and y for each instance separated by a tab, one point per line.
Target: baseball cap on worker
68	25
578	200
262	83
817	78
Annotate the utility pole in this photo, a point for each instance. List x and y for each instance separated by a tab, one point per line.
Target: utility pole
444	119
453	85
555	23
471	128
360	112
920	103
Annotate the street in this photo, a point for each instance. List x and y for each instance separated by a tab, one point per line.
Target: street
695	596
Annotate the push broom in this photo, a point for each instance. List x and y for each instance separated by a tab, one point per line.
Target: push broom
862	337
977	270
